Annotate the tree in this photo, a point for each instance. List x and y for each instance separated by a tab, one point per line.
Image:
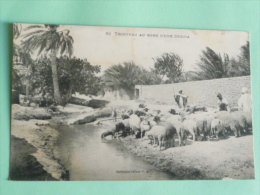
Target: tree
27	62
49	40
125	76
75	75
150	77
17	28
241	67
212	65
169	66
21	57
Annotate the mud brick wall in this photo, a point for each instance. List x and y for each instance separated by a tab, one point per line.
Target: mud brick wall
200	92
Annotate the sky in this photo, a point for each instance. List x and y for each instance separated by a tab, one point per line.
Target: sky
107	46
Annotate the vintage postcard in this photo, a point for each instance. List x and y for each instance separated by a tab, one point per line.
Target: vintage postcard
115	103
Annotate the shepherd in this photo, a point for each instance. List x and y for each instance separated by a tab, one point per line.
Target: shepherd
181	100
223	104
114	115
244	102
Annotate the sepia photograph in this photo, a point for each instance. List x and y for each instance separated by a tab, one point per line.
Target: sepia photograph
96	103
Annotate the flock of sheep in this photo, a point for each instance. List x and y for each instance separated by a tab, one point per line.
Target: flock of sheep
161	127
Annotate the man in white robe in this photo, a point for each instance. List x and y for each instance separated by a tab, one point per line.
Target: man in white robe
245	102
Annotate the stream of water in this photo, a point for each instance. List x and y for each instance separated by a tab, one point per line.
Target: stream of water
87	158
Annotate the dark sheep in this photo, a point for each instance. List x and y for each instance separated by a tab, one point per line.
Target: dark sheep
167	137
139	113
172	111
124	116
142	106
116	129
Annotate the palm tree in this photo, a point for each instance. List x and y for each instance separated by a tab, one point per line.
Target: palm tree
48	39
125	76
17	28
122	76
212	65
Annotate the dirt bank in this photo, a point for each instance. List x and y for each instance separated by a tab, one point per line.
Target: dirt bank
225	159
43	139
23	165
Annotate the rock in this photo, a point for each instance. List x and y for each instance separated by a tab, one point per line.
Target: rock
72	108
32	104
82	119
97	123
27	113
40	122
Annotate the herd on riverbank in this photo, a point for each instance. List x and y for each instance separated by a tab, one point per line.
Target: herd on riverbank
161	127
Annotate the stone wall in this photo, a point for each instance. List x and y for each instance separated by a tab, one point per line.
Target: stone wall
200	92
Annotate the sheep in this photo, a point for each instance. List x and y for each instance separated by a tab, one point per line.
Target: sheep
139	113
168	135
164	116
175	122
202	128
127	125
114	130
156	112
158	135
216	127
190	126
174	118
231	121
134	123
153	133
144	126
178	126
244	120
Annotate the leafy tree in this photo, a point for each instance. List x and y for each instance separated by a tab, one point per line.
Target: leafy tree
169	66
41	79
26	61
76	75
47	38
212	65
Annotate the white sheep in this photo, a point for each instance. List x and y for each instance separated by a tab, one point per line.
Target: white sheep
235	121
134	123
154	132
174	118
216	127
178	126
244	120
190	126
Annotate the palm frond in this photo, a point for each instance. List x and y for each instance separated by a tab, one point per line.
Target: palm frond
33	27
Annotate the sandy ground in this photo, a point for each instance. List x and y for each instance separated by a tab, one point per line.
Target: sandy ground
231	158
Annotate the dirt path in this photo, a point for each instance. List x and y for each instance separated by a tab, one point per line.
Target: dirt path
225	159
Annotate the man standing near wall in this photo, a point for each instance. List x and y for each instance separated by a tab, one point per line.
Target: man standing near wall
244	102
181	100
223	104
